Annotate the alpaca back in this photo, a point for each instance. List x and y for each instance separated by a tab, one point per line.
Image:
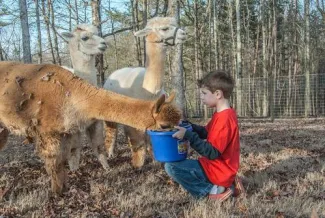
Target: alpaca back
128	81
33	96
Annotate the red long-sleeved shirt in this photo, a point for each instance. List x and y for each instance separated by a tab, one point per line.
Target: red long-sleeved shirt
223	134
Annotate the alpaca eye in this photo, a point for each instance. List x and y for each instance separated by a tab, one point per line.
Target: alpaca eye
165	29
85	38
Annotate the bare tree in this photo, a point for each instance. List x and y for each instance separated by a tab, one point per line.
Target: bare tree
47	22
308	110
114	37
144	23
135	27
76	10
177	65
25	31
39	35
196	54
1	53
265	58
96	20
56	44
238	59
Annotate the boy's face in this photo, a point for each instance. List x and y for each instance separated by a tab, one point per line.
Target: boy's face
208	98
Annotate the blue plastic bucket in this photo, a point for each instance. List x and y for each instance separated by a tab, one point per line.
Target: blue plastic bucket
166	148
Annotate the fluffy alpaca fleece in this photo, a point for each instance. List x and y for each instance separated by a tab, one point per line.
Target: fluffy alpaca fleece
84	45
143	83
50	104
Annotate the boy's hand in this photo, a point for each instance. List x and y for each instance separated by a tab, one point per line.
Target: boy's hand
180	133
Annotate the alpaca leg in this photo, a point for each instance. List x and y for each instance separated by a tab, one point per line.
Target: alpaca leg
149	147
110	138
53	154
96	136
137	143
73	145
3	136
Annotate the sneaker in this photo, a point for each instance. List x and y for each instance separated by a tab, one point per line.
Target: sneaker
223	196
238	187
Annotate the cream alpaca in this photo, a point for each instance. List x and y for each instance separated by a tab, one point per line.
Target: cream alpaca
144	83
84	45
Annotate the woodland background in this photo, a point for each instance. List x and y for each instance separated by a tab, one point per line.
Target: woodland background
274	49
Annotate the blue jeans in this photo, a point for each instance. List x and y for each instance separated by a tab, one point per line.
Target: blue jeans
190	175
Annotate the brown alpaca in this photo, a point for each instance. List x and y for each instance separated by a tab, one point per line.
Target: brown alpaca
50	104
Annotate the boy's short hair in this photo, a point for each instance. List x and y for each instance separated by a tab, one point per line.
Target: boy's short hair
218	80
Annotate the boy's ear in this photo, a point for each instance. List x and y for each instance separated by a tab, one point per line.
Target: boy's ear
218	93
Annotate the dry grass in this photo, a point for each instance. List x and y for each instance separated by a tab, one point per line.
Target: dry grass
282	163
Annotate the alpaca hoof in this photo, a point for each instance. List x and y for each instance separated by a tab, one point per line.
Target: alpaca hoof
111	155
73	164
103	161
137	162
138	158
57	189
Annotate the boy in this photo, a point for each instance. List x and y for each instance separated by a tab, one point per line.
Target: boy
213	174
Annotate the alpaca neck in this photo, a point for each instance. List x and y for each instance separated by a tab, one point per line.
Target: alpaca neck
155	67
105	105
83	64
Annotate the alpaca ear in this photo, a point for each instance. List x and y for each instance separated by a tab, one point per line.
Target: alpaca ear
67	35
171	97
159	103
143	32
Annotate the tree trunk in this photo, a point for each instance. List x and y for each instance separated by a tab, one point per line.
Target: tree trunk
196	54
274	64
1	53
56	44
135	27
233	44
238	60
47	22
114	37
177	63
308	110
144	23
215	33
70	16
39	35
210	36
25	31
76	9
265	104
96	21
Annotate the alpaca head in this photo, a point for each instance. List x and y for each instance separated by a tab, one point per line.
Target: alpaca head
162	30
165	113
85	39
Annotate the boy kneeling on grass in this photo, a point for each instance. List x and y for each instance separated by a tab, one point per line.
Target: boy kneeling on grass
213	174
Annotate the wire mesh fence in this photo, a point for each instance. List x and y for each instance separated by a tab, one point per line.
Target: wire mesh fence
280	97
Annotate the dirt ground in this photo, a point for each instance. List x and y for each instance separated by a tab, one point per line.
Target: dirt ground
282	165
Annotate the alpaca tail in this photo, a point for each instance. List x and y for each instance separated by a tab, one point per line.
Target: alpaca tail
3	136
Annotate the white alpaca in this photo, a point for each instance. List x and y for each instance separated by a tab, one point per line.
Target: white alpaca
84	45
143	83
